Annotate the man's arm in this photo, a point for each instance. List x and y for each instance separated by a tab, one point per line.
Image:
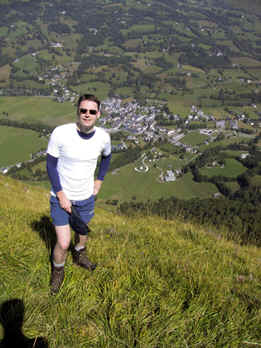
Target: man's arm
51	165
103	168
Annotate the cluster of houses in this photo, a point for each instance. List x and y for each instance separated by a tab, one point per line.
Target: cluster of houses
55	78
130	117
141	121
150	159
137	120
171	175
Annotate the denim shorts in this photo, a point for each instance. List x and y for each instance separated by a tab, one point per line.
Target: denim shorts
60	216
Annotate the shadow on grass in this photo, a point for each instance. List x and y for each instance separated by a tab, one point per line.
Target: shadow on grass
11	318
46	231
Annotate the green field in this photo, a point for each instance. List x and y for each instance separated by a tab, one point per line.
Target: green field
4	74
139	28
232	169
171	162
126	183
194	138
233	153
93	87
37	110
233	186
246	61
17	144
27	63
256	180
230	139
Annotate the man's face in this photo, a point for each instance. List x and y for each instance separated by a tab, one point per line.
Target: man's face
88	114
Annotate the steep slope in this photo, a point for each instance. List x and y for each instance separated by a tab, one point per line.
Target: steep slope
158	283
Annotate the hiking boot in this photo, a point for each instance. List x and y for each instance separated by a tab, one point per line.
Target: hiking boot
81	259
57	277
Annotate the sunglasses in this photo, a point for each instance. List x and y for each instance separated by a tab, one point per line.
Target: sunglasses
91	111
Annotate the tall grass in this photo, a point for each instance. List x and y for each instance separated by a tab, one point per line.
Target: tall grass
158	283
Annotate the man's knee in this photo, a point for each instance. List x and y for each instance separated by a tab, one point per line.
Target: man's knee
63	235
63	244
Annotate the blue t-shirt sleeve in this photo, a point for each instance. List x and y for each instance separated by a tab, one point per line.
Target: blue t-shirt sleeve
104	166
51	165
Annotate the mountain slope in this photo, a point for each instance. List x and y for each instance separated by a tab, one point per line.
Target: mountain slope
158	283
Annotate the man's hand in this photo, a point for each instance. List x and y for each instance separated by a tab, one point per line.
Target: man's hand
65	203
97	186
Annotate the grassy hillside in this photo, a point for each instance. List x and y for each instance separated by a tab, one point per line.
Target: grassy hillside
158	284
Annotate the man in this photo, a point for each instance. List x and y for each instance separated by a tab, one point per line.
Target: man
72	156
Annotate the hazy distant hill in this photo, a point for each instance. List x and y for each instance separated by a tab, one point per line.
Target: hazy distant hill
127	48
250	5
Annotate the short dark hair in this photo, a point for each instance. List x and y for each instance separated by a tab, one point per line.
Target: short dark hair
90	97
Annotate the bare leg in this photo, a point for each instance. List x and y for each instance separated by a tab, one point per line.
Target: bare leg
80	240
63	235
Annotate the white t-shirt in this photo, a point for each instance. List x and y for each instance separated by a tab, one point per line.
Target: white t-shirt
77	158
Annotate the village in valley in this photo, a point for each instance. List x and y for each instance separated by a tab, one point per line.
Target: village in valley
139	124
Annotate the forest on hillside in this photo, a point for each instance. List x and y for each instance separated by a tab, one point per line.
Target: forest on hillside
239	214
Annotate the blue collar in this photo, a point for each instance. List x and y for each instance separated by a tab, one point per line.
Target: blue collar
85	135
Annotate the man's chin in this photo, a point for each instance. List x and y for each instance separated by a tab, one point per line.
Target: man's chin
85	129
